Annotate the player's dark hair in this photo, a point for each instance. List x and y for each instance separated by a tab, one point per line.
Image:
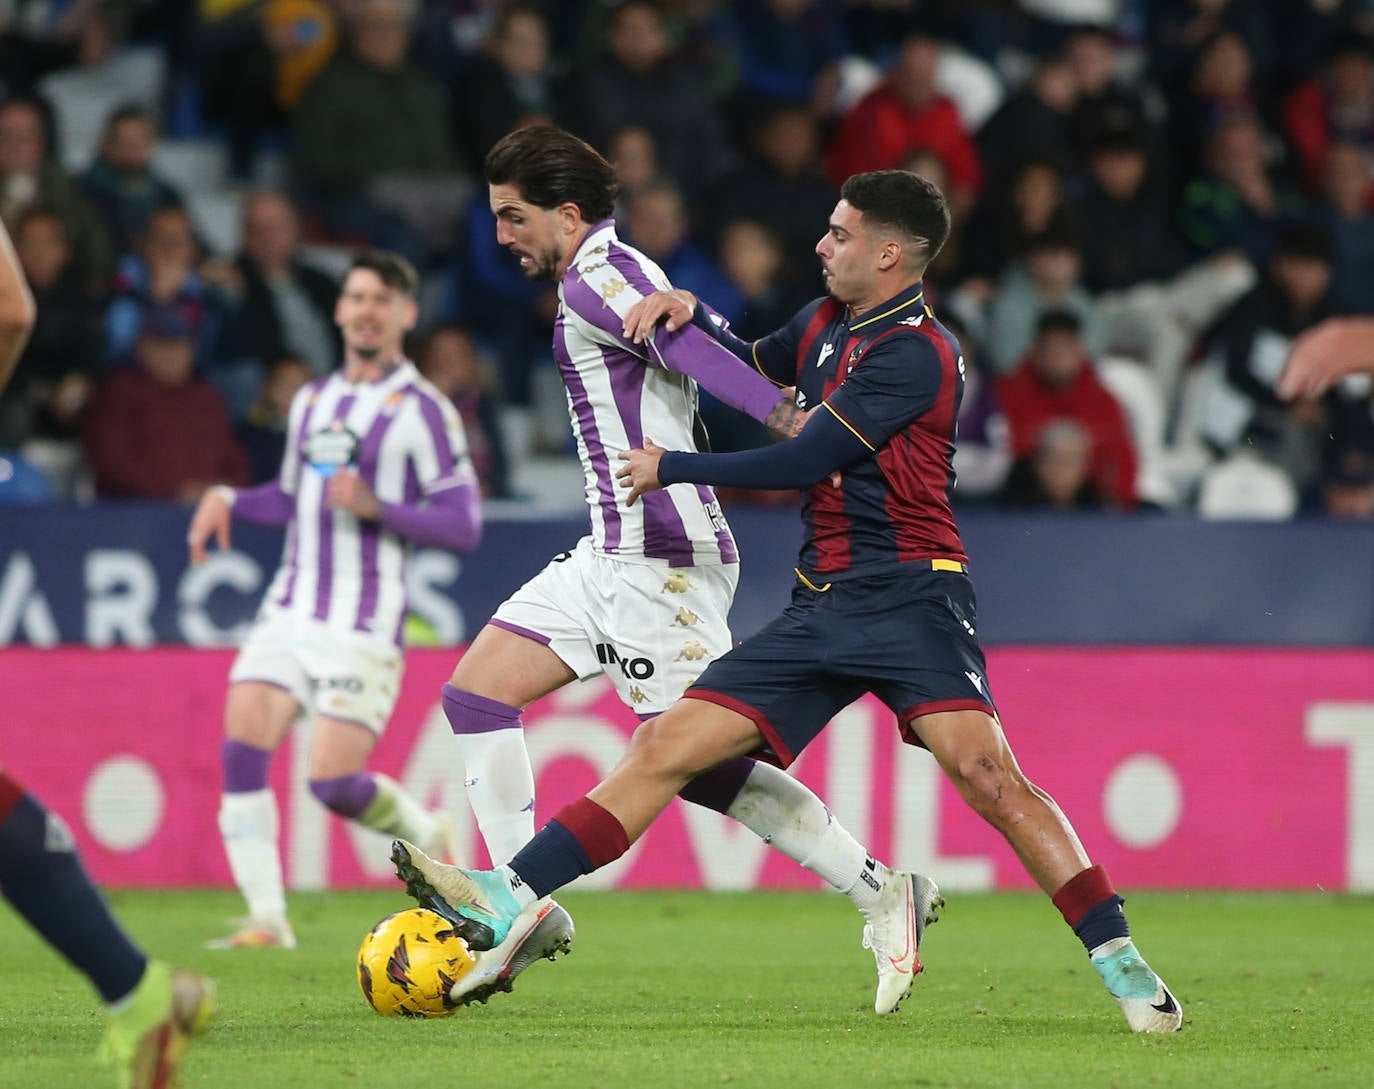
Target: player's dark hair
905	201
551	167
391	268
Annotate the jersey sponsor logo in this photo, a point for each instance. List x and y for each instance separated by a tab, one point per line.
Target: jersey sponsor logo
638	669
827	350
346	684
331	448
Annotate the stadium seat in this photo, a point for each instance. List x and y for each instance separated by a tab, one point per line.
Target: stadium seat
82	99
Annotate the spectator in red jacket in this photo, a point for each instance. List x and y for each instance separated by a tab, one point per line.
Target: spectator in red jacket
1056	382
1336	106
158	430
902	114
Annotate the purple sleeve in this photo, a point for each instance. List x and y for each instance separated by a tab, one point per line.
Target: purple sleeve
692	352
267	504
451	519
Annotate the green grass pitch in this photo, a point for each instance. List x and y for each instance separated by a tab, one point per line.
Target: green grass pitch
768	990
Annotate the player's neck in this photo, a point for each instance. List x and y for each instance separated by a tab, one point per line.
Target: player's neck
358	370
574	243
881	293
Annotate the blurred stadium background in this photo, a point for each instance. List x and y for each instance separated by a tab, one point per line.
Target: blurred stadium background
1180	636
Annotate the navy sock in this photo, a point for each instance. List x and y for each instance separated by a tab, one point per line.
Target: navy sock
551	860
1102	923
43	878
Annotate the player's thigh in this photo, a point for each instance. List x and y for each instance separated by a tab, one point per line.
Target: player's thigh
658	628
356	677
691	737
513	668
550	613
259	713
780	679
918	649
269	685
339	747
969	746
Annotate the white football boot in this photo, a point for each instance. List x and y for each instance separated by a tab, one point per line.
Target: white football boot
542	930
1149	1006
907	905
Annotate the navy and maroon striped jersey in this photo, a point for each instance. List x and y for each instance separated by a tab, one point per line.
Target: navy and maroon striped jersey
894	376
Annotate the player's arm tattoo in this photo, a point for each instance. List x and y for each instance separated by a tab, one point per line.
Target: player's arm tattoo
786	419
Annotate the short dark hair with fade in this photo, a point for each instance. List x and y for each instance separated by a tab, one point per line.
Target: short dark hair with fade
898	198
551	167
391	268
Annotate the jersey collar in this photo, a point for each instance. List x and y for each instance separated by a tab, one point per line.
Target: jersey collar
902	307
601	235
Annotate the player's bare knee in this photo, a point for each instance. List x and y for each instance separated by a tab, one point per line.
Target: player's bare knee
663	748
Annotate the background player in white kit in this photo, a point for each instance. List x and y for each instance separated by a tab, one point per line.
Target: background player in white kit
645	597
376	462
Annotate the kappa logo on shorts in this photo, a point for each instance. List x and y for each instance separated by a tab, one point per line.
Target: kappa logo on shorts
693	651
678	582
637	694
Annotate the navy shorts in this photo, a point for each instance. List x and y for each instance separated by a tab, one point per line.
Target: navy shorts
909	637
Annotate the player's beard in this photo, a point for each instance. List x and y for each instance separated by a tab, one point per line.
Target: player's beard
543	266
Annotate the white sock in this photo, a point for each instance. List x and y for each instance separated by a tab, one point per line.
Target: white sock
396	812
524	895
500	786
786	814
249	824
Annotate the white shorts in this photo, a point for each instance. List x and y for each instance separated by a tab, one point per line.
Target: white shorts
345	675
650	628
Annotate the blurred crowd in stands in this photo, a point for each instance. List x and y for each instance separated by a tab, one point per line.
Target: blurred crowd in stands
1151	199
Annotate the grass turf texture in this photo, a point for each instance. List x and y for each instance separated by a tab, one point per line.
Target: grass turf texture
694	989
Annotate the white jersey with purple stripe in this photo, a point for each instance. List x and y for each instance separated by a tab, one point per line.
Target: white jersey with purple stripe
620	392
406	441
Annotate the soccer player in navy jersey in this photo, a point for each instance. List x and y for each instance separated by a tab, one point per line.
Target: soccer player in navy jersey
883	601
153	1010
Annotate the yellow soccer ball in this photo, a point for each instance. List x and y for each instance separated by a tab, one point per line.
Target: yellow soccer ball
408	962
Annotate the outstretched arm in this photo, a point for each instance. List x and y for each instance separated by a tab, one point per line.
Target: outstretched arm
17	309
1325	354
826	444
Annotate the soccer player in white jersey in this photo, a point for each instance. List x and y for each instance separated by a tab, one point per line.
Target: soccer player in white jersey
644	598
376	462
